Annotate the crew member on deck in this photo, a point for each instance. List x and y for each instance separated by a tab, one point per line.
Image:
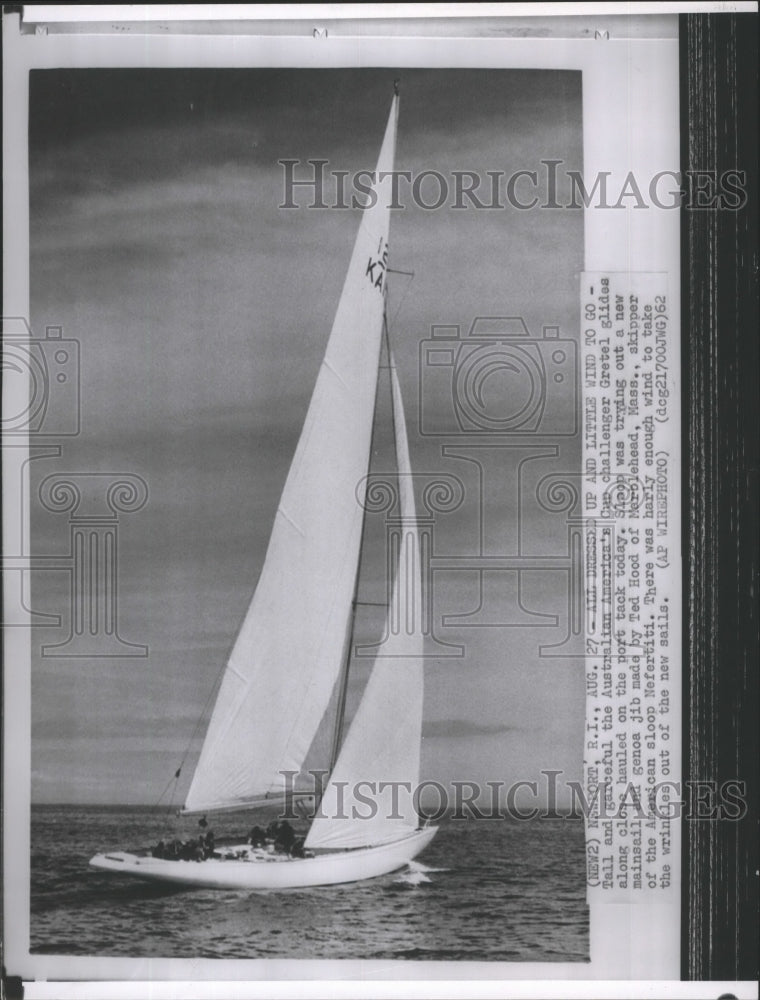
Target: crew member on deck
284	837
297	848
257	837
209	845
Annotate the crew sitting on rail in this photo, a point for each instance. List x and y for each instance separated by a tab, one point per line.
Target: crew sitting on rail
297	849
257	837
209	845
170	852
284	837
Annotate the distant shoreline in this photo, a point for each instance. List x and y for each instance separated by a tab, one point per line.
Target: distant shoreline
564	814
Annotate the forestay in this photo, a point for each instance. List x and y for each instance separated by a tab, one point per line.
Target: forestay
288	653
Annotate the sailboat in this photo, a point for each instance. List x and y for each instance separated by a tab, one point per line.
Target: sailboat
289	665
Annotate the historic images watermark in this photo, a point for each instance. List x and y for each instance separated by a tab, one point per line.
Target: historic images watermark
499	404
313	183
42	411
457	364
47	403
524	800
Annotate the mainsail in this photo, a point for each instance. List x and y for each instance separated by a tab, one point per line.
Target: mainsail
288	653
369	799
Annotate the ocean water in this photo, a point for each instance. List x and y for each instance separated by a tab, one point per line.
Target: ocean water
484	890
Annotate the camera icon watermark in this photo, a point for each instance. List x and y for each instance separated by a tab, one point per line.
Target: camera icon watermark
40	381
498	379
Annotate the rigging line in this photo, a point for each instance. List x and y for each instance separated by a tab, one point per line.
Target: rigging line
166	789
201	716
170	805
394	435
403	297
340	711
209	698
171	814
392	364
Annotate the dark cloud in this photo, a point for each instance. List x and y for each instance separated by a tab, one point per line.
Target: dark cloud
92	130
69	105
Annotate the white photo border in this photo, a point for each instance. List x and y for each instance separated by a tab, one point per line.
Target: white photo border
627	942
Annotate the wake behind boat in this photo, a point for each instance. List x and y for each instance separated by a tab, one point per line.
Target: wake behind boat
286	679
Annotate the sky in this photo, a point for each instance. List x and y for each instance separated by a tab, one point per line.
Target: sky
201	310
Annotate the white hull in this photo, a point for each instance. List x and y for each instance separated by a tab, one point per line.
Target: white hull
263	871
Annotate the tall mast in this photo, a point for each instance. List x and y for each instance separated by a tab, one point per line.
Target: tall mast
340	712
382	744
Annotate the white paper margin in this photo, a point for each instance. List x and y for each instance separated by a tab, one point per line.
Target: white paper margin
630	89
